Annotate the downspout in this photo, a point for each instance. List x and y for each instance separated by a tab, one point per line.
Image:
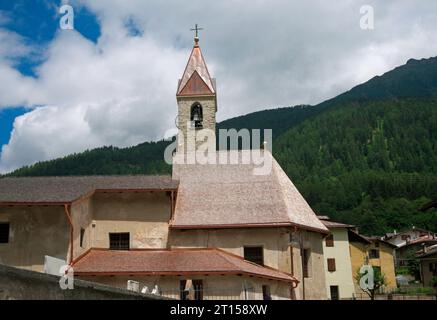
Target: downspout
300	240
172	206
302	264
70	221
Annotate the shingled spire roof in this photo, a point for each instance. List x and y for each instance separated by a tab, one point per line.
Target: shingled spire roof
196	79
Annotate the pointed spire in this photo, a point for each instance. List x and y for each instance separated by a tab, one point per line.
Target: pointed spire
196	79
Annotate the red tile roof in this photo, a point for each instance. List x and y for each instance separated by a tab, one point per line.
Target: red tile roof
171	262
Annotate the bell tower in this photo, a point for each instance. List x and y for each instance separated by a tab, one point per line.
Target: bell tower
197	103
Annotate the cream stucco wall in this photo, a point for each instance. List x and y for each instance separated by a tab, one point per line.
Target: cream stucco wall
314	285
342	276
35	231
273	241
277	251
214	287
144	215
81	215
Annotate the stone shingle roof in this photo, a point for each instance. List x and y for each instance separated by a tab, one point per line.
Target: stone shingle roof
171	262
68	189
333	224
231	195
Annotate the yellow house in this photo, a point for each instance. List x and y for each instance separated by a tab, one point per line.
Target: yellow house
373	251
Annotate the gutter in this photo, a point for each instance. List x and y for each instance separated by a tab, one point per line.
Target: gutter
70	221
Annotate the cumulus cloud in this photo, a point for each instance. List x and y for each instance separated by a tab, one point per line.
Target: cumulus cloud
120	90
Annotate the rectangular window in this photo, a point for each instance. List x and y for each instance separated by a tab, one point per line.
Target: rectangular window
191	289
266	293
4	232
374	254
305	262
254	254
329	240
119	241
334	292
198	289
331	264
82	234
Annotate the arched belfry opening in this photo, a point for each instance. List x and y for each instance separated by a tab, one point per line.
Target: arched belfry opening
196	115
197	104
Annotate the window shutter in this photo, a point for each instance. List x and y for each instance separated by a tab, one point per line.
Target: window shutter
329	240
331	264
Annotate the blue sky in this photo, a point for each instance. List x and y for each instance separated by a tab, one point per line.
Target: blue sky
112	80
37	21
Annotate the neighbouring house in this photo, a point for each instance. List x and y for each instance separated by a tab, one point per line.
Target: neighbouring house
404	237
408	242
428	266
373	251
338	266
208	231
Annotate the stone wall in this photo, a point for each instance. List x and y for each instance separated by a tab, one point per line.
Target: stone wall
209	109
20	284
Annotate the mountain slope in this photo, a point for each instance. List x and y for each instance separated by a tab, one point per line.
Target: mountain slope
369	163
417	78
367	157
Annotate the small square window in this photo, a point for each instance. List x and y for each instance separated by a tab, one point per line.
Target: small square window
4	232
254	254
374	254
119	241
191	290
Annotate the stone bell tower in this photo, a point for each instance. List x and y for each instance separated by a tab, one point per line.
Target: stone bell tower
197	103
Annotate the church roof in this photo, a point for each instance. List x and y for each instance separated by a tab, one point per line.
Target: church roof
171	262
196	79
60	190
231	196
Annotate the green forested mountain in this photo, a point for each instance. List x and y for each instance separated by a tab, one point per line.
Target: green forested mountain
370	163
367	157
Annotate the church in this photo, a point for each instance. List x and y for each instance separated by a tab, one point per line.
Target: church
208	231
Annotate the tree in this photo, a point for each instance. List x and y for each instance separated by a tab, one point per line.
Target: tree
379	280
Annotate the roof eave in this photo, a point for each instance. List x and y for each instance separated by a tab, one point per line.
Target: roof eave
248	225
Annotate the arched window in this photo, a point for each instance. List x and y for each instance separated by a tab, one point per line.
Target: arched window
196	116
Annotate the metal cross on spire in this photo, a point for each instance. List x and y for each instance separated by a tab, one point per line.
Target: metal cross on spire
196	29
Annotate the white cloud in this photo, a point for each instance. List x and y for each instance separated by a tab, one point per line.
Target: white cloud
121	90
